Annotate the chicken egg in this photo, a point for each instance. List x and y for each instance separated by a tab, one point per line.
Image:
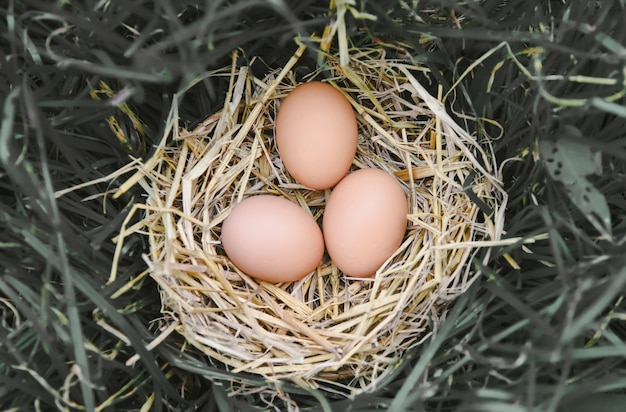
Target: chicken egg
364	221
316	135
273	239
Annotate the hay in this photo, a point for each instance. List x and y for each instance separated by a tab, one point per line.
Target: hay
324	331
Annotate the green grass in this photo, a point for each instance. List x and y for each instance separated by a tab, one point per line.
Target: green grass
550	336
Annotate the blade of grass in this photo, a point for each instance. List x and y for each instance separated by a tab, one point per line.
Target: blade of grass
597	403
407	393
51	207
614	288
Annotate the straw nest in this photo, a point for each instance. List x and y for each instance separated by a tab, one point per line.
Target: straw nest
326	330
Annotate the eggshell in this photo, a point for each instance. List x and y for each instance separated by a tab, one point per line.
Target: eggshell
272	239
316	135
364	221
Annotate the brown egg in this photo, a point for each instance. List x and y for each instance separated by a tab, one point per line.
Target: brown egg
272	239
364	221
316	134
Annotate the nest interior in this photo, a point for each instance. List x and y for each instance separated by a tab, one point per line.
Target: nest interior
325	330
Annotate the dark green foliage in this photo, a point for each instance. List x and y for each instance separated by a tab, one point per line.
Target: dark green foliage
549	336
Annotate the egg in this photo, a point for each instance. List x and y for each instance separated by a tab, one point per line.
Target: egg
364	221
273	239
316	135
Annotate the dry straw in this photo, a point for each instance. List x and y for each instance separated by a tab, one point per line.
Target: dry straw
325	330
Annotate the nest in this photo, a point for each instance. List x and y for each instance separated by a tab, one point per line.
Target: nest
324	331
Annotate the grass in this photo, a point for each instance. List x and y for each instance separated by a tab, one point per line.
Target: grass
87	85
